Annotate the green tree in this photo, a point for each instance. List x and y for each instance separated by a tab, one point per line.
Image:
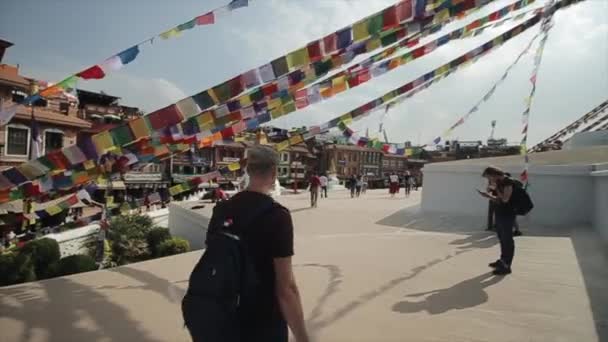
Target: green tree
16	268
74	264
43	253
127	236
173	246
155	237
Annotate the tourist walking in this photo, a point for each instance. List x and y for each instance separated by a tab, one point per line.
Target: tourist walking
364	184
407	184
359	185
352	184
393	184
254	229
504	215
315	185
324	182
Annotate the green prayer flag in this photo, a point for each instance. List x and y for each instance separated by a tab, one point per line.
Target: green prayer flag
375	24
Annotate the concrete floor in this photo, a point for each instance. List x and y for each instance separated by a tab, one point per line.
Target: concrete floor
370	269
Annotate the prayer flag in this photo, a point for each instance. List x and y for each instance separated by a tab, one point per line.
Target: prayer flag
296	139
267	73
93	72
314	51
389	18
188	108
103	142
234	166
127	56
122	135
298	58
187	25
329	44
204	99
283	145
251	78
139	128
344	38
279	66
360	30
404	11
375	24
174	32
234	4
205	19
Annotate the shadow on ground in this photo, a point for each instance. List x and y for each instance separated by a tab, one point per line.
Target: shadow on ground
48	305
464	295
591	252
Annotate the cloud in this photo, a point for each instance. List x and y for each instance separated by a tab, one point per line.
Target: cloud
146	93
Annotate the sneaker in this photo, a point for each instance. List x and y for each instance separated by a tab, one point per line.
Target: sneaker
502	270
495	264
517	233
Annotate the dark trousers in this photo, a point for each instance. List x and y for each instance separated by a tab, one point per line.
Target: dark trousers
323	191
314	195
491	209
504	230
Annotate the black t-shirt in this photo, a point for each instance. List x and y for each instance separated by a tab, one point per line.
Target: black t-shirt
503	208
267	237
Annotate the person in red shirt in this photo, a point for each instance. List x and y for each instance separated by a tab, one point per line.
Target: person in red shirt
315	185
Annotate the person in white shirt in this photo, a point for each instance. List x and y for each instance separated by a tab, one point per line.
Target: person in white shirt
324	181
394	184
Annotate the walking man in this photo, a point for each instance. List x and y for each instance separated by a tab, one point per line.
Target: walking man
408	185
394	184
504	215
267	232
359	184
315	184
324	182
352	184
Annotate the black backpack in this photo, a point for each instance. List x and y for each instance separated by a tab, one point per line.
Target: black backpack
223	276
520	199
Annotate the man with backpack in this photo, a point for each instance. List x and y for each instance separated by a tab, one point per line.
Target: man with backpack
243	287
510	200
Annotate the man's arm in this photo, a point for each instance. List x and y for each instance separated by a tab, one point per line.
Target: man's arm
289	298
505	195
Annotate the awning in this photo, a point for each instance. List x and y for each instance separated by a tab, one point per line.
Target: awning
116	185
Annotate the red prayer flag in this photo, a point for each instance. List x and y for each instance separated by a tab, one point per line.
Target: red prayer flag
269	89
58	159
227	133
314	51
494	16
363	76
94	72
236	85
419	52
404	10
329	44
412	42
205	19
390	18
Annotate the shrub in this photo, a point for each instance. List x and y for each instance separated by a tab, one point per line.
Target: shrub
127	234
15	268
173	246
43	253
155	237
73	264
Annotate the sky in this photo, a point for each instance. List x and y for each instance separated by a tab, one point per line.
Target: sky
54	39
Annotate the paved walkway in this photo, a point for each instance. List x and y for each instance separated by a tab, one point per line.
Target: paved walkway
370	269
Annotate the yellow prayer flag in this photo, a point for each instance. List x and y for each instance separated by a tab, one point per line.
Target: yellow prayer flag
234	166
360	30
53	210
204	118
139	127
283	145
89	164
276	112
296	139
373	44
347	119
298	58
110	201
497	41
174	32
442	16
523	149
338	84
388	97
408	152
394	63
176	189
443	69
103	142
274	103
245	101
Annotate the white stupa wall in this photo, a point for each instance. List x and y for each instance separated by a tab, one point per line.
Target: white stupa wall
562	195
600	201
189	224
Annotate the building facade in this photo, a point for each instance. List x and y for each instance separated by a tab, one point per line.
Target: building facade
57	118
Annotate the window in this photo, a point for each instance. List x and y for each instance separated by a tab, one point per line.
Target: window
17	140
285	157
64	107
53	140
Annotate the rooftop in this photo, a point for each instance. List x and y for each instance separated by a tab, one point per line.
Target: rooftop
380	273
43	115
